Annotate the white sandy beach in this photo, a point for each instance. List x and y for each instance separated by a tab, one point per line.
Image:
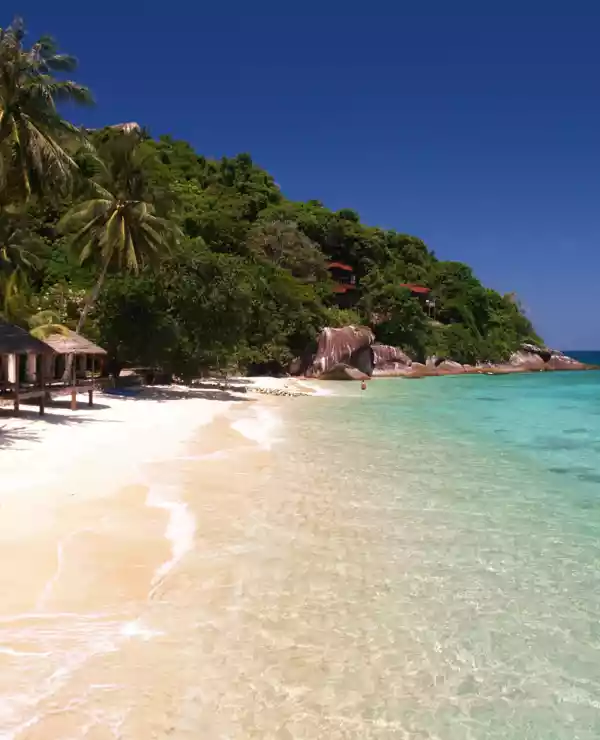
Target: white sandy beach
94	522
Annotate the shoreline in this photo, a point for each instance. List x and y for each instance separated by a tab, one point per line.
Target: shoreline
241	582
97	521
344	373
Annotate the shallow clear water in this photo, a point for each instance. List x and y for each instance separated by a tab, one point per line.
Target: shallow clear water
420	561
442	556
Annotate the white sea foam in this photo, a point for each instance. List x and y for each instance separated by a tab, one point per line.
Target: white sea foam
260	427
24	653
137	629
317	389
180	530
61	662
60	556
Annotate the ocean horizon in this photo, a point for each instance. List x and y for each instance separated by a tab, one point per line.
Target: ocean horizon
591	356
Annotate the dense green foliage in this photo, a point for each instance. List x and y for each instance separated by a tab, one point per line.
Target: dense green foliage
186	263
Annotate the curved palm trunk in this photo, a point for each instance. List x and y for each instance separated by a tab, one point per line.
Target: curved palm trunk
87	307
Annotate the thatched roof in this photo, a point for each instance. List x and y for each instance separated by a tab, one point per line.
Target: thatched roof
69	343
17	341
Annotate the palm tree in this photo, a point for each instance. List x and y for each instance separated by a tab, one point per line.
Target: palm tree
20	256
46	323
36	142
118	230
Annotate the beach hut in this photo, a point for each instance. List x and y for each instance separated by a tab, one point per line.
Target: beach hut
21	381
84	357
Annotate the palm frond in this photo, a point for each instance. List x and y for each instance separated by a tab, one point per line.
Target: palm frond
45	323
35	141
84	213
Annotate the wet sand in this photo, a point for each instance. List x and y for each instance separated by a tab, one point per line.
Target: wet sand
97	560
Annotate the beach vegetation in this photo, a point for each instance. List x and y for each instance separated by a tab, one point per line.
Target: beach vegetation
175	260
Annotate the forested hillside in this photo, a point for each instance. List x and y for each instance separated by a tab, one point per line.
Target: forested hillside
173	260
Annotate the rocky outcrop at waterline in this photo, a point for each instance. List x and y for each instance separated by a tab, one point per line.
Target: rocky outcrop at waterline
348	347
527	359
449	367
530	357
344	372
390	362
350	353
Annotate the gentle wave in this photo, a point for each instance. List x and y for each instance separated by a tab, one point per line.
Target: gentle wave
181	526
260	427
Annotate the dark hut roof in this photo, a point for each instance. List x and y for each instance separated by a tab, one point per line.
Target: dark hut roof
72	343
17	341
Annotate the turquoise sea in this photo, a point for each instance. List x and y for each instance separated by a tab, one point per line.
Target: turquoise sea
434	564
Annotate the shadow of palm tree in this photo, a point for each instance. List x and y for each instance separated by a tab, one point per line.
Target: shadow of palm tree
11	436
81	405
49	418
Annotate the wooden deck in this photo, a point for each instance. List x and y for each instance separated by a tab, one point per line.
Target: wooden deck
13	394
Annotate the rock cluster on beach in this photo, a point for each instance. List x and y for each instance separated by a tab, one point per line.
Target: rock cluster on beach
351	353
280	392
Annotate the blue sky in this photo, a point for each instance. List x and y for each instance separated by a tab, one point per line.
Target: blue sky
477	131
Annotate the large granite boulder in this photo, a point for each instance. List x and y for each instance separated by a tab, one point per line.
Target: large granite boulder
558	361
344	372
449	367
530	358
544	352
350	345
384	354
393	370
362	360
525	360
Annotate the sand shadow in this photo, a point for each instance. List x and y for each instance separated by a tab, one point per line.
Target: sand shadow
165	393
65	403
33	414
14	433
11	436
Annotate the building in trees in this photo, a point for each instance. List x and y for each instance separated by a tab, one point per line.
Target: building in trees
424	295
345	283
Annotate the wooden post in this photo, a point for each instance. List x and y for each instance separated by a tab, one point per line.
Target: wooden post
16	380
91	391
42	385
74	386
12	369
31	373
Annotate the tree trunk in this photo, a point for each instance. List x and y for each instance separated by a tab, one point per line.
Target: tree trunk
89	304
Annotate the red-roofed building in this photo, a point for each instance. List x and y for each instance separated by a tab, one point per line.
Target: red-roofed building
345	283
423	293
417	289
342	273
340	266
343	288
